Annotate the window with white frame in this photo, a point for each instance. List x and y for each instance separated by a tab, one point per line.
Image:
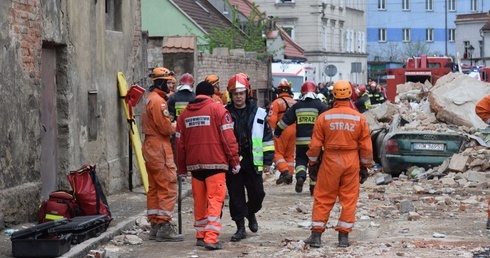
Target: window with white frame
451	5
289	30
342	39
405	5
382	35
363	42
429	5
451	35
348	40
406	35
359	41
381	4
429	35
473	5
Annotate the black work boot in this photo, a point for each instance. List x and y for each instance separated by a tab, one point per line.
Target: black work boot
252	223
488	223
153	231
299	184
312	189
284	177
343	239
215	246
240	232
315	239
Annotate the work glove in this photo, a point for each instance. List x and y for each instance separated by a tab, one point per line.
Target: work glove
363	175
278	132
313	167
236	169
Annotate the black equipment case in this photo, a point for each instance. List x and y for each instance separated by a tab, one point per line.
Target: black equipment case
82	227
36	241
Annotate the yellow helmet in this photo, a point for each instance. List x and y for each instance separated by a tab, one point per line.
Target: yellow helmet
342	89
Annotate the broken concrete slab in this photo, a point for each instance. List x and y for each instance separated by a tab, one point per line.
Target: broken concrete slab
454	98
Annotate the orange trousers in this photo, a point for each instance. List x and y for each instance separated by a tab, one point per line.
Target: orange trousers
488	208
284	149
209	196
338	177
162	181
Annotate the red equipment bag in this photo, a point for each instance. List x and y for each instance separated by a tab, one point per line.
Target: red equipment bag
88	192
60	204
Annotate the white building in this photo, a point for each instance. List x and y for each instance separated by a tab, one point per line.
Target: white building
332	32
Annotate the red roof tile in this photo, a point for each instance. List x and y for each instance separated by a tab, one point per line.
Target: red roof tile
204	14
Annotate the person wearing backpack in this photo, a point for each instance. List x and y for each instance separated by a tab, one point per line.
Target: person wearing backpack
159	159
206	146
304	114
284	146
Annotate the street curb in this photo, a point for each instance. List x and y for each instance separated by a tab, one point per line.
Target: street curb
81	250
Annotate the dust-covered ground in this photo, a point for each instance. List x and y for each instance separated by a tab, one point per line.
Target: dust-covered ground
402	218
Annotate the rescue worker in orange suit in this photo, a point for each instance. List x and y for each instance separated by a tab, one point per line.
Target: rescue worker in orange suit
183	95
284	146
217	95
159	159
363	102
344	135
206	146
304	114
482	110
256	148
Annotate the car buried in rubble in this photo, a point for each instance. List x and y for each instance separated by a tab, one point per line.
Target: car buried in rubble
397	149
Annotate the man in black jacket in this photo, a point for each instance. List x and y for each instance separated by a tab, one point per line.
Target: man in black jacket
256	149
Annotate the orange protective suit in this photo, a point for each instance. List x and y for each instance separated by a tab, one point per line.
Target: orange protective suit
482	109
284	146
344	135
206	146
217	98
159	159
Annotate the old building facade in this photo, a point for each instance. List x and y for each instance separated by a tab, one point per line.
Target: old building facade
59	97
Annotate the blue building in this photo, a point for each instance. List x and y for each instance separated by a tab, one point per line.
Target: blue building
397	30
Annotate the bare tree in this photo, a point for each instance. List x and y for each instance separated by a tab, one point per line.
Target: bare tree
415	49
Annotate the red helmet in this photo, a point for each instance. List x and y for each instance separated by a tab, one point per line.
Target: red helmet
362	89
238	83
186	78
308	87
284	83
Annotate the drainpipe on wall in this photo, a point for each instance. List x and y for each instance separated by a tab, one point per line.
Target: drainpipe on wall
482	35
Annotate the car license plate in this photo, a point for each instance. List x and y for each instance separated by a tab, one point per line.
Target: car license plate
428	146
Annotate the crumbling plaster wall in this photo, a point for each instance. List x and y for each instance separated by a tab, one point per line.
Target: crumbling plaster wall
88	59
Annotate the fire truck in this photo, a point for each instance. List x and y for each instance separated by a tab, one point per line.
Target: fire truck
417	69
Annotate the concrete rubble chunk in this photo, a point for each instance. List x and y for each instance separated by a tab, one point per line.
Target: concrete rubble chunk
406	206
385	179
454	104
413	216
458	163
475	176
418	189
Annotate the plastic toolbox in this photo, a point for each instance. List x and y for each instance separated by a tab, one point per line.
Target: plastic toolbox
36	241
82	227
